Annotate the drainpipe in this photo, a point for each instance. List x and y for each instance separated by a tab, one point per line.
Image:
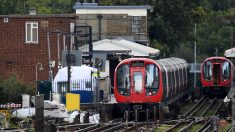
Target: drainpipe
99	25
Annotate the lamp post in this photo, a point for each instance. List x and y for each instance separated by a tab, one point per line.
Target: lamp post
195	58
40	68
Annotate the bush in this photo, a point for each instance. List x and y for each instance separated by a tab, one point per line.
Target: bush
12	88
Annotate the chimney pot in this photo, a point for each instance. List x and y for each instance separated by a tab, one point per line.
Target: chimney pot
32	11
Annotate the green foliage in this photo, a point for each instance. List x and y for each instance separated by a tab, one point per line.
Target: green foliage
12	88
43	7
164	49
105	2
173	21
213	34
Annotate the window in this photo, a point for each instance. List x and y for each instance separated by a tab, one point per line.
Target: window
207	68
138	86
31	29
136	24
123	80
151	76
226	70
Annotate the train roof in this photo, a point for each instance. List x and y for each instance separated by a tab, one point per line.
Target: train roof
172	63
136	59
215	57
172	60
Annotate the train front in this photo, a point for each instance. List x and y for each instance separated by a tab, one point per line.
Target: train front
137	80
216	75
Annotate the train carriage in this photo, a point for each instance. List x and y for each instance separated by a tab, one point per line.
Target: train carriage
216	75
142	80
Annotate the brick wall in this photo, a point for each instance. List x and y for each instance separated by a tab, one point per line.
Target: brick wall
21	58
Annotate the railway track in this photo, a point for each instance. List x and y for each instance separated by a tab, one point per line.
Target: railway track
196	118
199	117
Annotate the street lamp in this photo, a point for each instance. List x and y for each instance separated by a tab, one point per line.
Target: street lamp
40	68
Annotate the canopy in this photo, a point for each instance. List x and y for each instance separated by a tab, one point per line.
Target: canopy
230	52
122	45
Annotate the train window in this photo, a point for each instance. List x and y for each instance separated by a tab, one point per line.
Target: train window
164	78
226	70
123	77
207	68
138	79
151	80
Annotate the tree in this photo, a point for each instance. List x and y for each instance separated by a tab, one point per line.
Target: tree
172	21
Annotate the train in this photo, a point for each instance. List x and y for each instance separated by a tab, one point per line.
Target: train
216	75
140	81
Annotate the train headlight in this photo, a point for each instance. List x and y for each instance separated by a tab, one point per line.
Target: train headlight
154	92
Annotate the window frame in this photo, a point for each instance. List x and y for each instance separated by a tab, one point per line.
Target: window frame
227	75
136	24
207	71
30	40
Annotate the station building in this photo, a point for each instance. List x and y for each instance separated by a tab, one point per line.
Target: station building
118	32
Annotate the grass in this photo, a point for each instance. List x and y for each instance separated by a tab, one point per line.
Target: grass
163	128
195	127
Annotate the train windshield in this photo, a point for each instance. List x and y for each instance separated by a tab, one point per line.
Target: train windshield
226	70
151	80
207	70
123	77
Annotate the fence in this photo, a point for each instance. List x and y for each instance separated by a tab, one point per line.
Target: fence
90	90
85	87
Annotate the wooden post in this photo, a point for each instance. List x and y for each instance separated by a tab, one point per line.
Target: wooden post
39	113
136	119
147	117
127	116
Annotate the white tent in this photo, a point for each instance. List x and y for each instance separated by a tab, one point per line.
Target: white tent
78	74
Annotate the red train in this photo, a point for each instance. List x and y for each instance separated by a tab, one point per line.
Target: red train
142	80
216	75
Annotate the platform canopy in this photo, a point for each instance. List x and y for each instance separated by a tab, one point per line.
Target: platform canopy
230	52
124	45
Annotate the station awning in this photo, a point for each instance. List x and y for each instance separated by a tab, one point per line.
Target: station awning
230	52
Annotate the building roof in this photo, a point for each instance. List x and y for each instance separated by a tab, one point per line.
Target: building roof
79	5
230	52
38	16
124	45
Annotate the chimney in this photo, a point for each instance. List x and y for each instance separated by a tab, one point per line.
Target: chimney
32	11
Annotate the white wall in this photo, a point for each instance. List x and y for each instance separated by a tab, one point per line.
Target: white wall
130	12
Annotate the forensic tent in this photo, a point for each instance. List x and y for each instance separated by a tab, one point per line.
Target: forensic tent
83	81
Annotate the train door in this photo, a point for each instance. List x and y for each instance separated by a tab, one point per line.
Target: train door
216	74
137	85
